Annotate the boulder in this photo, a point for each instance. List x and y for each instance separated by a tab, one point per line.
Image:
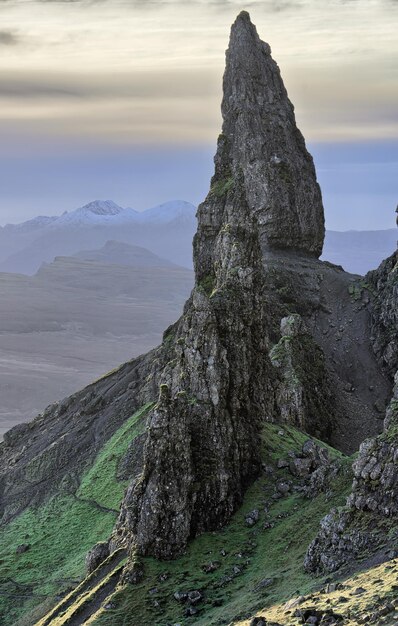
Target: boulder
96	555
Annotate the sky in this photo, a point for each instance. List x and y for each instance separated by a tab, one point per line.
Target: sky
120	99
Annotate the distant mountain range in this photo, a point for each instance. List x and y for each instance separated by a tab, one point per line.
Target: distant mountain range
165	230
108	212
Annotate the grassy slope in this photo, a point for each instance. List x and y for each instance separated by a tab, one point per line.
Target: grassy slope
61	532
379	584
275	553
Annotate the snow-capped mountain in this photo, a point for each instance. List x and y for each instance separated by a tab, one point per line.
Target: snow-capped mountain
108	212
96	212
168	212
166	230
36	223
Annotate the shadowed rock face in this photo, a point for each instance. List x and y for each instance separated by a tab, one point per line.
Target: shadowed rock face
384	281
373	500
203	446
261	149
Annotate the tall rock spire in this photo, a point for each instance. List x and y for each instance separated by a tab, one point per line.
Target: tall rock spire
261	148
203	443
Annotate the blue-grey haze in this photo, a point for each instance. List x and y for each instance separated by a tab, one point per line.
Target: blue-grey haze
359	181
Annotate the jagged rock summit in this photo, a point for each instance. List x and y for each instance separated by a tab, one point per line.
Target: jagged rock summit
262	149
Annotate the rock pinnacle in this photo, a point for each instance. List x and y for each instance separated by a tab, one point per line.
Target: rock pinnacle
261	145
203	439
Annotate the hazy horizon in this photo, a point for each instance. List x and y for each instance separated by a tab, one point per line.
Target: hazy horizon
358	181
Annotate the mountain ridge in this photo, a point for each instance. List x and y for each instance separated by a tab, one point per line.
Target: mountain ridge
166	230
167	211
121	253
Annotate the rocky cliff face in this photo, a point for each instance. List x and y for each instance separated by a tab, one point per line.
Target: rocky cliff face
203	437
346	390
373	502
303	395
384	282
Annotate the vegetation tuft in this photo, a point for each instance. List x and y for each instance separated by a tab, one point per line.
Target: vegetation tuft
221	187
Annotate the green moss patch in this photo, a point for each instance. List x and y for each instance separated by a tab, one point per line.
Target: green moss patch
99	483
221	187
207	284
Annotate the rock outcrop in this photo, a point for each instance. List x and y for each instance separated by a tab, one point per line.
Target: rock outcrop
301	365
375	486
269	333
261	148
384	282
335	359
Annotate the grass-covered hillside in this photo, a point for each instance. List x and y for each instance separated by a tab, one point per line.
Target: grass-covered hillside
42	552
252	567
256	560
367	597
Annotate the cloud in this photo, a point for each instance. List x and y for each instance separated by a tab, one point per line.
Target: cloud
25	88
8	38
124	73
133	85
